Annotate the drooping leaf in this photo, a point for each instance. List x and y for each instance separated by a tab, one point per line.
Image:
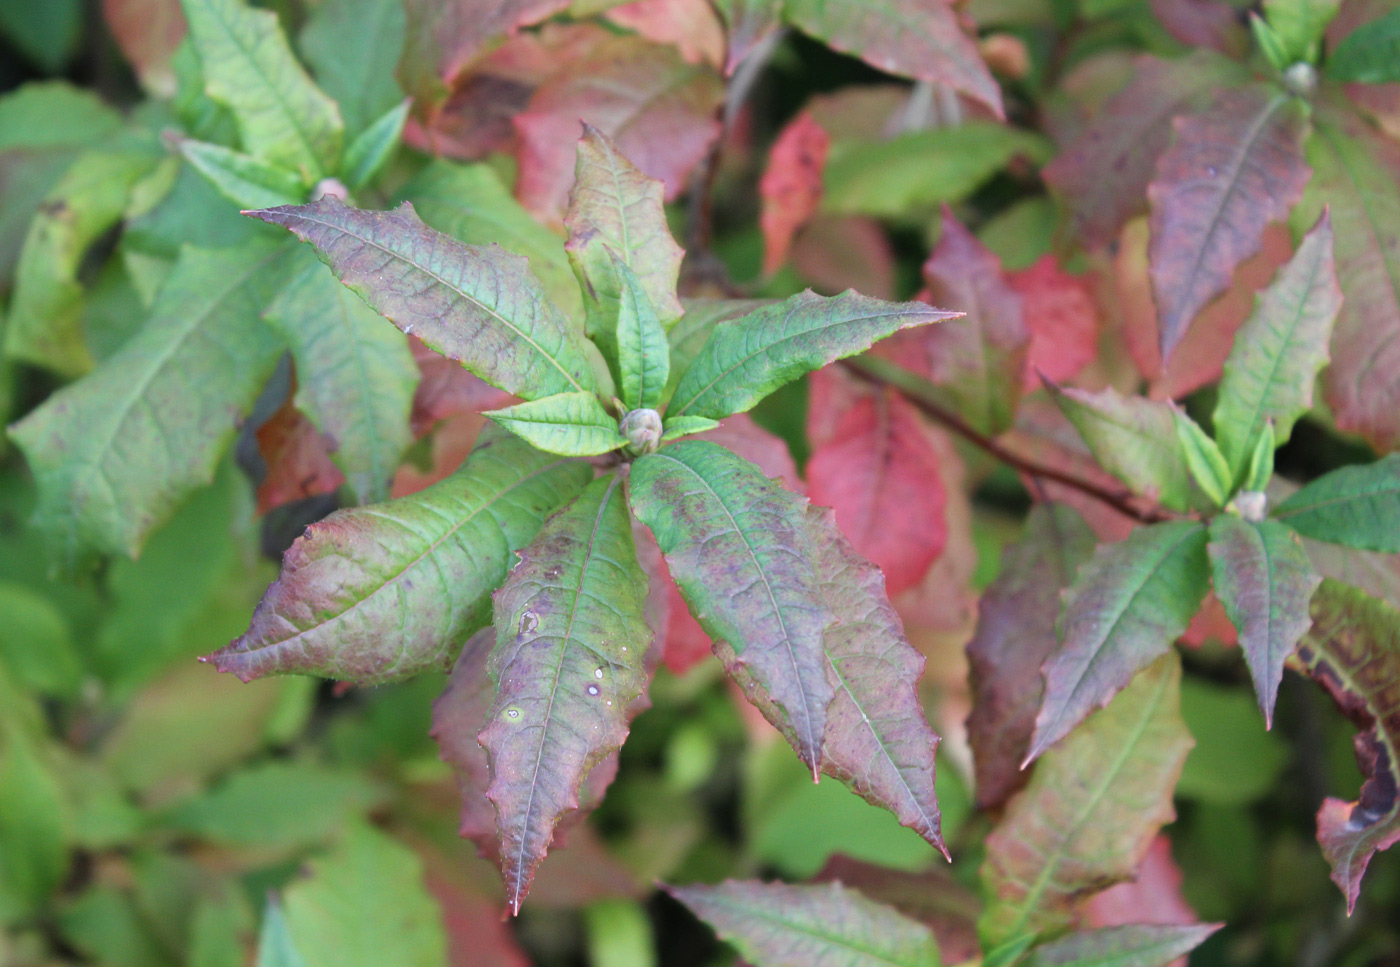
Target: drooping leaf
1104	172
367	155
244	180
747	358
879	472
659	111
1136	945
478	305
1064	326
1090	812
643	354
283	118
1370	55
1233	168
571	424
791	186
568	667
352	46
355	377
1125	608
382	592
737	546
1356	506
1015	635
1209	471
1264	580
1269	374
1353	651
921	39
116	452
777	925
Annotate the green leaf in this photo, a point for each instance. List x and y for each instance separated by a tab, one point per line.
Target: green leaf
569	670
477	305
747	358
737	547
45	324
1207	464
572	424
777	925
377	593
1299	26
1275	50
353	47
115	453
243	179
371	151
643	355
1092	808
283	118
1271	369
365	905
355	377
613	206
1370	54
685	425
1358	506
1135	945
34	824
1261	462
1133	438
1235	762
37	645
1264	580
1125	608
690	333
275	946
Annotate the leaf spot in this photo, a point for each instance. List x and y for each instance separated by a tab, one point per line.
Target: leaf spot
597	673
593	690
529	621
512	713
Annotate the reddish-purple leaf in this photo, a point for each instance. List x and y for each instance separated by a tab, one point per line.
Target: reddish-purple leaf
444	36
1063	321
298	460
1203	23
791	186
1353	651
1015	635
1153	895
459	713
691	26
568	665
1234	167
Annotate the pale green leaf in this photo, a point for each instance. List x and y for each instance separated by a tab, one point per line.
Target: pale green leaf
1358	506
643	355
353	47
571	424
1207	464
1260	469
1299	26
371	151
685	425
1274	48
1134	945
242	179
275	946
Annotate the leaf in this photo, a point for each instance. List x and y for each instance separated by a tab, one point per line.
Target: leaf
880	474
737	546
1370	55
1133	438
921	39
352	46
1125	608
1015	635
275	945
365	904
1209	471
459	713
748	25
791	186
643	355
1233	168
115	453
382	592
444	37
35	821
1064	328
1356	506
1270	372
568	666
356	377
690	333
572	424
371	151
1299	26
686	425
659	111
1090	812
1136	945
241	178
777	925
47	33
1103	173
469	203
477	305
1352	651
298	459
692	26
1264	580
1153	896
747	358
283	118
148	33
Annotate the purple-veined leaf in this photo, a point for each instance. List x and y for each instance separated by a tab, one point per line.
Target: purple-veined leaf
382	592
1264	580
1353	651
921	39
1270	372
1125	608
1090	812
737	545
1015	635
1357	506
778	925
1234	167
1134	945
569	669
479	305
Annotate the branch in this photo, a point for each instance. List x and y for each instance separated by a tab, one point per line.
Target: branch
1122	500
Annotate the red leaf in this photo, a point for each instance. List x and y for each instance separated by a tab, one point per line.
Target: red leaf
447	389
1203	23
459	713
839	252
148	32
298	460
691	26
1234	167
791	187
1154	896
1062	318
659	110
881	476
